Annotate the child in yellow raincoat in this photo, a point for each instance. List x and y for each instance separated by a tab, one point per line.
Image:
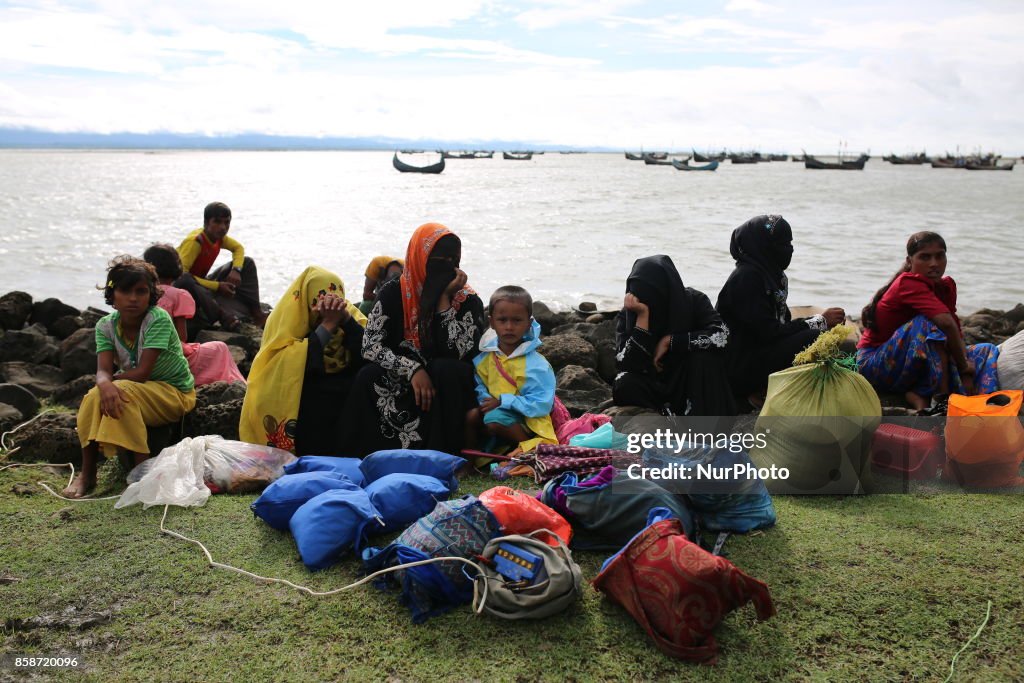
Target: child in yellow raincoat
515	384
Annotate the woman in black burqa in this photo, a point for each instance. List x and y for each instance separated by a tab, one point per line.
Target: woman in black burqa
671	345
753	303
417	389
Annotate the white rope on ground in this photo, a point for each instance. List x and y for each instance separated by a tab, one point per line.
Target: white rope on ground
3	437
477	593
988	613
51	491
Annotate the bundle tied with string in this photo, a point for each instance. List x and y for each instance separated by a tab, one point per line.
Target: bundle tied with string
818	420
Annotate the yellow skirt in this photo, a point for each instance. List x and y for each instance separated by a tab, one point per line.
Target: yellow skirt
150	404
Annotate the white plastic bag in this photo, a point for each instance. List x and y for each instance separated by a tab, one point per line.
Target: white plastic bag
239	467
1011	362
174	478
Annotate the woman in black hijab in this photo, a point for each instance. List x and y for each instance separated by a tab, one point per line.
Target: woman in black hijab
753	304
670	342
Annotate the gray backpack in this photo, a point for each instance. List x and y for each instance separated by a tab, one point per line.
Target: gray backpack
557	586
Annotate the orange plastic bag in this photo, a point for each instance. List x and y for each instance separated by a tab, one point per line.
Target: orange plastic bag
984	439
521	513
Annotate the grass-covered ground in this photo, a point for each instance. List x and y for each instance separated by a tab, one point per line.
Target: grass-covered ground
878	588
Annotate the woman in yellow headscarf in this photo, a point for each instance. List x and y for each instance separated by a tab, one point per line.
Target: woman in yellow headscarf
303	373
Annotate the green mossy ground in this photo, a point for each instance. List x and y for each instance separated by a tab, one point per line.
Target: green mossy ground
879	588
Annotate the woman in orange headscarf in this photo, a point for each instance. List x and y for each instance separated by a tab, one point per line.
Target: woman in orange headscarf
417	389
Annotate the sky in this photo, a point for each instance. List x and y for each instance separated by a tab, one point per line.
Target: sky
881	76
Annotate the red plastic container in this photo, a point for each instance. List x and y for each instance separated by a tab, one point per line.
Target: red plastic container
906	452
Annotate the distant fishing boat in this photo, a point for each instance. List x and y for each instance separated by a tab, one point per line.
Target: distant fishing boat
634	157
517	156
743	159
971	166
685	166
652	160
778	157
408	168
458	155
704	158
854	165
911	160
480	154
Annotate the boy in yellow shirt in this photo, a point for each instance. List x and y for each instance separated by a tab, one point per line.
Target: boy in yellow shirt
230	289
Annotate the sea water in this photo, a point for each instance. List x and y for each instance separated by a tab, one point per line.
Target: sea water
567	227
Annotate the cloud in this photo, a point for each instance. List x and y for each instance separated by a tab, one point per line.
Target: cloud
616	73
754	7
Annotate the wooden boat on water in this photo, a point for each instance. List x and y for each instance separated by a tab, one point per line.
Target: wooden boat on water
479	154
408	168
911	160
517	156
704	158
854	165
742	159
970	166
634	157
652	160
458	155
685	166
778	157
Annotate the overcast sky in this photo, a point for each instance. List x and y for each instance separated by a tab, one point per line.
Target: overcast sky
888	75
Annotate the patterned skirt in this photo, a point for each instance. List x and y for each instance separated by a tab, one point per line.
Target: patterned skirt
910	361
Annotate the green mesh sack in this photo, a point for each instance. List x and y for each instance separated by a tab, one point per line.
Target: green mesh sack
818	419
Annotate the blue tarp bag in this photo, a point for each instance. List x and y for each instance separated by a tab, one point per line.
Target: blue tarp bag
406	461
401	499
733	504
327	463
326	526
283	497
455	528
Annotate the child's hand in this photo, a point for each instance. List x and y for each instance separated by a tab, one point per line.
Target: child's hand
489	404
234	278
112	400
633	304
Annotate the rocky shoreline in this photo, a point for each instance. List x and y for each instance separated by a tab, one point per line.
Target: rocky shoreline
48	356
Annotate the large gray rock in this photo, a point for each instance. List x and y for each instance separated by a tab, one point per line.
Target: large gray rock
241	358
245	341
580	329
48	311
547	318
65	326
19	397
568	349
581	389
41	380
91	316
219	392
219	418
30	345
78	353
10	417
50	438
15	308
70	394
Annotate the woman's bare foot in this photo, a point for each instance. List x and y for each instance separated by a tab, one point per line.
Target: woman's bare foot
80	486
